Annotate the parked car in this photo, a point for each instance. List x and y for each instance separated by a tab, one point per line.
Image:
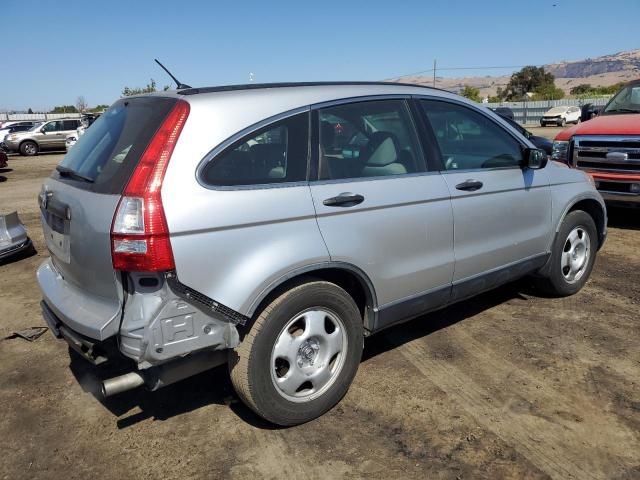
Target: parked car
560	116
540	142
15	127
589	111
505	112
50	135
262	244
608	147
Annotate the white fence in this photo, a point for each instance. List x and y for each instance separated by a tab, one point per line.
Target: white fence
9	117
530	112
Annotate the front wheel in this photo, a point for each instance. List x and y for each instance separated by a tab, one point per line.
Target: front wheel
563	123
572	256
28	148
300	356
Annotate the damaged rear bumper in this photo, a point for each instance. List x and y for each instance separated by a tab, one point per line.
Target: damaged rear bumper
13	236
161	336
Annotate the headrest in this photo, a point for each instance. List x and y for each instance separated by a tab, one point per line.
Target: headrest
382	148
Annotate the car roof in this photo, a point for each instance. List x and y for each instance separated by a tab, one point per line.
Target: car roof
290	95
259	86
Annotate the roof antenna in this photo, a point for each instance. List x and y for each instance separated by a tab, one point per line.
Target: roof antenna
180	85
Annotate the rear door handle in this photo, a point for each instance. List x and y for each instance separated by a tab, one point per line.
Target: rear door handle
346	199
469	185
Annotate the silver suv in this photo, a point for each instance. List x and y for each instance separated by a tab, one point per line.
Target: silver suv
50	135
273	227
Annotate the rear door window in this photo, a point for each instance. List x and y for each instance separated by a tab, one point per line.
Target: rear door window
70	124
109	151
368	139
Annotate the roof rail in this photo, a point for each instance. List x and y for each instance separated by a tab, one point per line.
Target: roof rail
256	86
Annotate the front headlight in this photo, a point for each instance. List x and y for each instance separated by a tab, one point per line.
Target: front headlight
559	151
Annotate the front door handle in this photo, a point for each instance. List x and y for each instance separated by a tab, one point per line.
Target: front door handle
469	185
346	199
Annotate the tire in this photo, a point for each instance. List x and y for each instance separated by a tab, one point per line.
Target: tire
310	320
28	148
567	253
563	123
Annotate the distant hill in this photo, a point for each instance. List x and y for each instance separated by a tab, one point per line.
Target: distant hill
599	71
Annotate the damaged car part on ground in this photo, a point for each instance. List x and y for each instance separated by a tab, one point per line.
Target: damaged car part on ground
280	239
13	236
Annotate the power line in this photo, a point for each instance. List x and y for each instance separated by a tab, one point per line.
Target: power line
430	70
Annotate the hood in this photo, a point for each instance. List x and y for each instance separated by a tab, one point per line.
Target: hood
552	112
621	124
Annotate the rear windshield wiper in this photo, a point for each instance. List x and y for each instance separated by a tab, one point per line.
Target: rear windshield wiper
68	172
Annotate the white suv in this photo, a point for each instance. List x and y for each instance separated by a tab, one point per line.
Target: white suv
560	116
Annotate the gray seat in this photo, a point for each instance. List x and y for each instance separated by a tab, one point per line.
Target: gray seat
381	156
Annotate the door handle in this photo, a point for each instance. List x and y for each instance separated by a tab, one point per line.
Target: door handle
469	185
346	199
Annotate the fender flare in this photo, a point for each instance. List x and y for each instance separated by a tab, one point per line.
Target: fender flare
365	282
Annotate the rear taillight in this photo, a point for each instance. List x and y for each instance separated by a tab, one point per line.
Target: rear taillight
139	233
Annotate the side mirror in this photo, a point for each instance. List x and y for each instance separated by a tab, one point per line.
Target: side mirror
535	158
42	130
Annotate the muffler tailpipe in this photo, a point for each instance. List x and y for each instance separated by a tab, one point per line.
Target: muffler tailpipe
115	385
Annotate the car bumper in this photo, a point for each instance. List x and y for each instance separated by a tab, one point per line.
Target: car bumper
13	236
84	313
12	146
629	199
153	328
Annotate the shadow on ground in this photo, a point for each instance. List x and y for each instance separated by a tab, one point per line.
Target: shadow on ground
214	386
627	218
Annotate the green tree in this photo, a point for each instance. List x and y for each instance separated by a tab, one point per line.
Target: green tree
529	79
30	111
64	109
98	108
582	89
548	92
150	88
472	93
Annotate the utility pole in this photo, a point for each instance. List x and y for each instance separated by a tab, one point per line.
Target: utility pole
434	73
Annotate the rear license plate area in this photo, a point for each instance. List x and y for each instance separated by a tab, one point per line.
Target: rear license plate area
56	234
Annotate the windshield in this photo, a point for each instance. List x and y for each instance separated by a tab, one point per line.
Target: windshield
556	110
626	100
36	127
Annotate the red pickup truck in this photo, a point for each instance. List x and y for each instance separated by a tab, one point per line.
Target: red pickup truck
608	147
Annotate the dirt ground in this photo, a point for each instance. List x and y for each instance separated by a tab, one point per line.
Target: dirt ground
507	385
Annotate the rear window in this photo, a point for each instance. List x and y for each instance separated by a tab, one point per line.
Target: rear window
110	149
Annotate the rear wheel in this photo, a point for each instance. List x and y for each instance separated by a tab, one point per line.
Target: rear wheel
29	148
301	354
572	256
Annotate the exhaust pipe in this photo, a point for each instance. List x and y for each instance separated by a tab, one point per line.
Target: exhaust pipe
166	374
120	384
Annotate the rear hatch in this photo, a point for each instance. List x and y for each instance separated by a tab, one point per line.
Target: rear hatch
78	203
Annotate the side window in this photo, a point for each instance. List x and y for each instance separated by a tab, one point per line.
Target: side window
276	154
468	139
368	139
70	125
53	126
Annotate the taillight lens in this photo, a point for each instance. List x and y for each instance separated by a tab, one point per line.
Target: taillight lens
139	233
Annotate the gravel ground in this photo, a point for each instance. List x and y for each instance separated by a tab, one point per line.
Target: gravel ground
506	385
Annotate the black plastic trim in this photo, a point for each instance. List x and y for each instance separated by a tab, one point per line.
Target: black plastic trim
193	296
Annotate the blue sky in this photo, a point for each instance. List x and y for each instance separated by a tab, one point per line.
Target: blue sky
55	51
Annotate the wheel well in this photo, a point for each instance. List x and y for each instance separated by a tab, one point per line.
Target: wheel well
593	208
353	283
